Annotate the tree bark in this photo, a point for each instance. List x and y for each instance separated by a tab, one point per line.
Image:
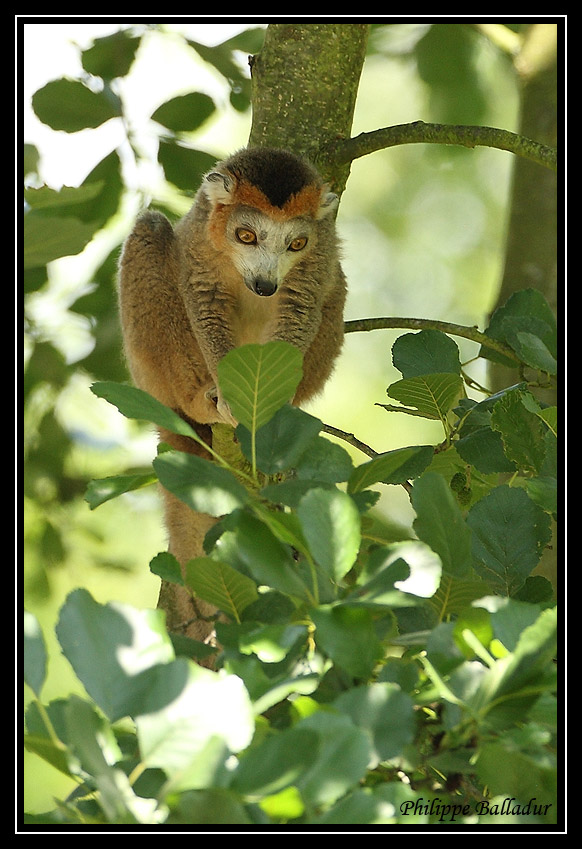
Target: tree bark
531	248
304	87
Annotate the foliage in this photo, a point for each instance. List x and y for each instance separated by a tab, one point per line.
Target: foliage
358	682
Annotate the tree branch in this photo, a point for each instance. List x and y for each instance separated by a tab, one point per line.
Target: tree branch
346	150
431	324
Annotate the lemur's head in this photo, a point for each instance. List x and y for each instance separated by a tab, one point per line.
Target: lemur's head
265	207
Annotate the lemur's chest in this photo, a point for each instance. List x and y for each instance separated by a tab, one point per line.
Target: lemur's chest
256	317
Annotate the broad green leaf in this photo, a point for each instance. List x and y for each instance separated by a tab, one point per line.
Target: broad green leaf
543	491
210	705
208	807
108	646
134	403
330	522
324	461
517	771
342	760
509	533
71	106
397	575
392	467
282	440
385	713
534	352
430	395
427	352
522	431
280	760
508	618
387	803
221	585
250	546
111	56
104	489
257	380
202	485
35	656
166	567
67	196
183	166
185	112
483	448
47	237
268	690
440	524
271	643
347	635
455	594
525	312
90	737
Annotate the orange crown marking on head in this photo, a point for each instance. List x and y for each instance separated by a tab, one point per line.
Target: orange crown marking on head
305	202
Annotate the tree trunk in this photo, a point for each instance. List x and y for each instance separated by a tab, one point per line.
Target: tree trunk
531	250
304	87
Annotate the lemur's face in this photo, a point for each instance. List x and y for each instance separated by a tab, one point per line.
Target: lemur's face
265	249
263	241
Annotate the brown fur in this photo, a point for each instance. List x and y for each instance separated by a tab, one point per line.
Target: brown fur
184	305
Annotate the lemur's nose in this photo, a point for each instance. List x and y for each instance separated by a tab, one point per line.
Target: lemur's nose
265	287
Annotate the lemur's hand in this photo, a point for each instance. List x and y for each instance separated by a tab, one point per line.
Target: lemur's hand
222	407
224	411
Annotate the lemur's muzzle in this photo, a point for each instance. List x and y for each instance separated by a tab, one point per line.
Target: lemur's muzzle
264	287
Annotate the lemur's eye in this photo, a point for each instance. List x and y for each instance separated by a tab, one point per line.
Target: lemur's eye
298	244
246	236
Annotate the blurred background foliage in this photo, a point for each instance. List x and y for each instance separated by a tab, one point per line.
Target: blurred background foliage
118	117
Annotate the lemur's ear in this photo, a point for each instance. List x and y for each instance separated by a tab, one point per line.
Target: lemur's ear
219	186
328	203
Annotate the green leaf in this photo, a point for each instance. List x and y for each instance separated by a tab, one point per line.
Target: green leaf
392	467
69	105
397	575
257	380
522	431
525	323
324	461
249	546
90	737
166	567
67	196
280	760
104	489
213	806
342	760
330	522
509	535
221	585
483	448
47	238
440	524
185	112
111	56
35	656
184	166
210	705
282	440
543	491
136	404
202	485
427	352
385	713
430	396
108	646
347	635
